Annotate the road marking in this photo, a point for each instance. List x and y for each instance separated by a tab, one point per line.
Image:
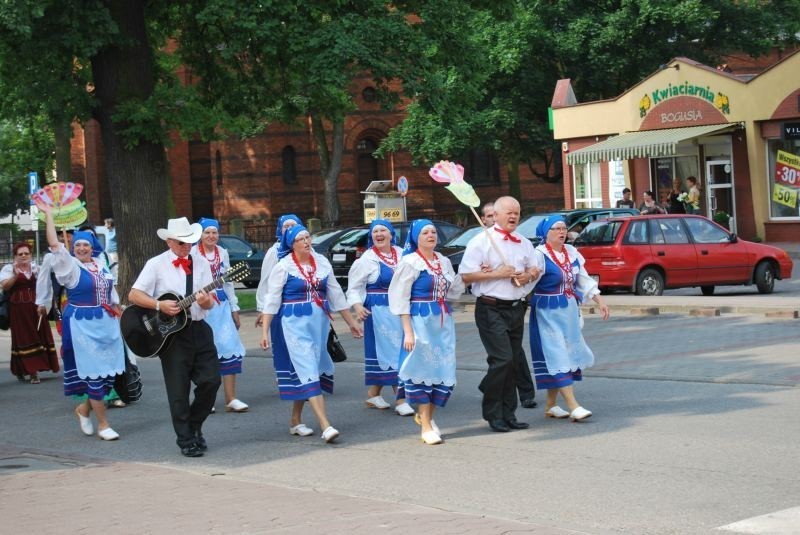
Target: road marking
786	522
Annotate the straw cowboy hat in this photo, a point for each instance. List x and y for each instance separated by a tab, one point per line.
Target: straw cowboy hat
180	229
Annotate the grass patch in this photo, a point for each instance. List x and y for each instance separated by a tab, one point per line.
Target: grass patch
247	300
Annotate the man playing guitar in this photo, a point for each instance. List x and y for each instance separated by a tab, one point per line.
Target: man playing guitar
190	356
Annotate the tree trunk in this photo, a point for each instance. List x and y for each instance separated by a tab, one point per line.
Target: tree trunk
137	176
330	164
63	135
514	188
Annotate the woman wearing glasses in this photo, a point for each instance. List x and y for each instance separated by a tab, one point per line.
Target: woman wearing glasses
558	350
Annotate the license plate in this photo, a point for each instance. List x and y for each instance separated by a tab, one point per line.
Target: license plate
339	257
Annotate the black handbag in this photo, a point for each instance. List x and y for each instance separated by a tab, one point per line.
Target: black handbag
335	349
128	384
5	313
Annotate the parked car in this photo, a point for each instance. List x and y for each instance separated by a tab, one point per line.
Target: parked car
353	243
240	250
322	240
576	220
647	254
454	249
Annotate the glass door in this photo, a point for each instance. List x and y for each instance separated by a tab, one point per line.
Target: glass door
719	199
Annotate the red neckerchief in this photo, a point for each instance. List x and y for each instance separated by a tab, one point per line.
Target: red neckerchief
391	262
439	283
566	268
215	262
507	235
184	264
312	280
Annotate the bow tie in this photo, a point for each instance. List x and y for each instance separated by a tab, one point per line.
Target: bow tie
507	235
183	263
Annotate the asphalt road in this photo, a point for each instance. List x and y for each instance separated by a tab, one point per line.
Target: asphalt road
695	427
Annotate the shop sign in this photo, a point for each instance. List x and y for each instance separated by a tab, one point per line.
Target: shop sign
785	196
790	131
716	99
787	169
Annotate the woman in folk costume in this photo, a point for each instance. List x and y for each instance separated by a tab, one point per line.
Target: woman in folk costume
32	347
92	347
301	292
368	294
285	222
418	293
223	318
558	350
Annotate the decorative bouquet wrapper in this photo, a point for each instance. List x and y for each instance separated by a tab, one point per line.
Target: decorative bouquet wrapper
68	209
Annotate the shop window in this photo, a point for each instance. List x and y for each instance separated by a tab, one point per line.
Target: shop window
289	161
784	180
482	167
665	170
586	185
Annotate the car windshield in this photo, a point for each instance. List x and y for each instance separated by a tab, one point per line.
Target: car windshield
599	233
354	237
463	239
323	235
235	245
528	227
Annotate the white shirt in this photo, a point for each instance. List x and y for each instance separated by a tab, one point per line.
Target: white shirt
226	262
44	286
408	270
584	283
160	276
268	264
479	252
285	267
365	270
68	270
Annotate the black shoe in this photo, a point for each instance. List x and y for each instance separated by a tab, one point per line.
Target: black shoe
514	424
202	445
528	403
192	450
499	426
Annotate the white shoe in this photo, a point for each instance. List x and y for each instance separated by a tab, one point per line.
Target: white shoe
431	437
404	409
556	412
418	421
301	430
108	434
377	402
579	414
236	406
330	434
86	423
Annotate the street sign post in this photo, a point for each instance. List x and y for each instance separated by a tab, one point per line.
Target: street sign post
33	184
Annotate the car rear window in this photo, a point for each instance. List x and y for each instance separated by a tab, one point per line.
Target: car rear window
356	237
600	233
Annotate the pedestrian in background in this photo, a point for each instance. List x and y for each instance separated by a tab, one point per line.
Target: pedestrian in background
693	199
32	347
650	206
368	293
223	318
675	203
422	283
285	222
558	350
626	201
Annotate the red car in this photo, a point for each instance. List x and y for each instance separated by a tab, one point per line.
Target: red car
647	254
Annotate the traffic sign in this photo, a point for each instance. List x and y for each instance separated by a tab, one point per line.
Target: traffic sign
33	184
402	185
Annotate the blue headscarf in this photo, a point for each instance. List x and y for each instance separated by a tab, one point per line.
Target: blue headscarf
413	234
287	240
380	223
545	224
283	219
206	222
87	236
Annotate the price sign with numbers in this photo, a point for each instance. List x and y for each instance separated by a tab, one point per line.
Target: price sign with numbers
787	169
784	195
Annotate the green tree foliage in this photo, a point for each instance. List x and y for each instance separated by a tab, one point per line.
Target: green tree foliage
25	146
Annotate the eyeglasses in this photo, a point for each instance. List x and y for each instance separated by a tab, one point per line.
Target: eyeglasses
558	229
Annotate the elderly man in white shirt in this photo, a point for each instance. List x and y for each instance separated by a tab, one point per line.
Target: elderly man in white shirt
191	355
499	263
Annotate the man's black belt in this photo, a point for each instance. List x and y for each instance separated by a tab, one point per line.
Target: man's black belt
494	302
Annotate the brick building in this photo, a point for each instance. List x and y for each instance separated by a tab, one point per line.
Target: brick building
247	184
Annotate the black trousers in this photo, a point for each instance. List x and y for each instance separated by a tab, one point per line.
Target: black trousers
501	329
191	358
525	387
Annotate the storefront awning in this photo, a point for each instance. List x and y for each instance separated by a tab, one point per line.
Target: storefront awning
647	144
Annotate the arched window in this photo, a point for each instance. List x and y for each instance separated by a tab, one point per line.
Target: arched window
289	170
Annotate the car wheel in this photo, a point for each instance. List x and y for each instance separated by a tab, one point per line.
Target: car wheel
650	282
765	278
250	284
707	290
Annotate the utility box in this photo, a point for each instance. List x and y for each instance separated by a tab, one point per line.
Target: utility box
382	201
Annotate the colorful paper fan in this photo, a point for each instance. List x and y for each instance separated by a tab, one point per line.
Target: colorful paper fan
68	210
452	174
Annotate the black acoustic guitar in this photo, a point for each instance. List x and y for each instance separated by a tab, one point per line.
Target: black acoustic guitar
148	332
